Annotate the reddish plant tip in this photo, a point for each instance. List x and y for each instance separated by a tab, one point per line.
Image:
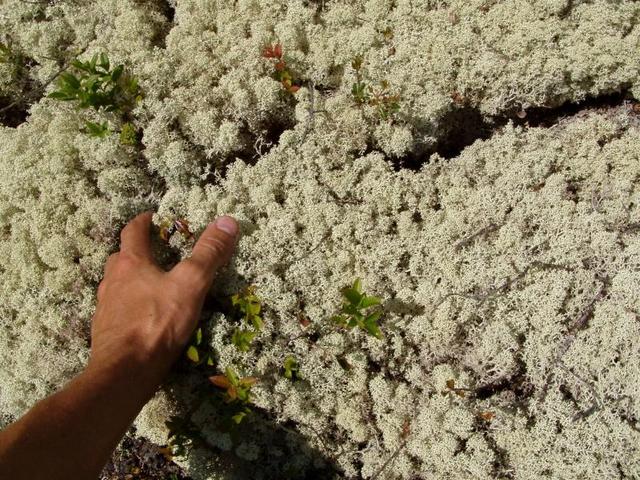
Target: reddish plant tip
273	51
220	381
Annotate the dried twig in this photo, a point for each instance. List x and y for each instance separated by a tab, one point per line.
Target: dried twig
395	453
570	336
484	295
492	227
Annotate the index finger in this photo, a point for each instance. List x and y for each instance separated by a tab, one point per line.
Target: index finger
212	250
134	238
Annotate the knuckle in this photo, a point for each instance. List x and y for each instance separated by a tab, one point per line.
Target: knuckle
127	260
215	245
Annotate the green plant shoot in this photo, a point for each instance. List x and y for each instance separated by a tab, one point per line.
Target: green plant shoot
386	105
248	305
237	391
291	368
195	352
358	310
97	86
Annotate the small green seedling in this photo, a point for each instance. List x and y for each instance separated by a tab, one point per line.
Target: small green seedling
97	86
291	368
385	104
195	351
182	435
237	391
357	310
6	54
248	305
242	339
359	88
99	130
128	134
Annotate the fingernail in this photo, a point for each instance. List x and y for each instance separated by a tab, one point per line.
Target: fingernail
227	225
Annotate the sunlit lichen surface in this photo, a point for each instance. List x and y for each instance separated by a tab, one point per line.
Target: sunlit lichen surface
508	266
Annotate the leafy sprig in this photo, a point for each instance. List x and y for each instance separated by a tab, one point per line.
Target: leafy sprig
237	391
291	368
359	310
282	71
96	85
386	105
196	352
248	306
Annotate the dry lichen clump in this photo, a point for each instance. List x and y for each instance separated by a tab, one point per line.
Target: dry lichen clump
490	265
509	274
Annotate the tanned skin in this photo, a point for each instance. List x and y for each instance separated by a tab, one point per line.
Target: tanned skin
143	320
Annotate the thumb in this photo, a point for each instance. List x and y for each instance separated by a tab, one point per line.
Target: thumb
212	250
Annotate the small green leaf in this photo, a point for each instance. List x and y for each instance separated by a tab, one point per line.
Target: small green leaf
238	417
242	339
192	354
291	368
117	73
339	320
369	301
104	61
352	295
257	322
70	79
231	375
198	336
100	130
79	65
58	95
371	324
253	308
209	360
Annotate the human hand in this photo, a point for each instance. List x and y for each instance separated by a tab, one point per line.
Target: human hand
145	315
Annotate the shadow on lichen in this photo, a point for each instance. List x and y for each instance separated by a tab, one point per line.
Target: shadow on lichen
257	448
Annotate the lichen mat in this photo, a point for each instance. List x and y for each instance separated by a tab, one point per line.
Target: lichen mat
509	271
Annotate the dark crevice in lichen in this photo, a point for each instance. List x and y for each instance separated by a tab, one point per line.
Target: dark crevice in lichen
465	125
518	384
255	147
168	10
15	111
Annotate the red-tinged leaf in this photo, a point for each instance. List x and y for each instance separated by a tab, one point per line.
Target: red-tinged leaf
294	88
280	66
304	320
248	381
220	381
232	393
488	416
277	50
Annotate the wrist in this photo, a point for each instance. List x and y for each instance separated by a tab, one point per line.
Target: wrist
139	376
